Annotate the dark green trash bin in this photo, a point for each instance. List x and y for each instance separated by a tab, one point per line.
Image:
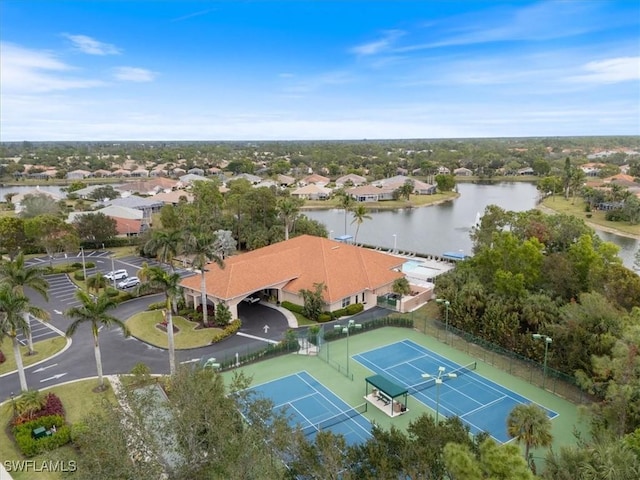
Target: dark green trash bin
39	432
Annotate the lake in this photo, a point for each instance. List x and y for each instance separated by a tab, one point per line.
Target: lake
445	227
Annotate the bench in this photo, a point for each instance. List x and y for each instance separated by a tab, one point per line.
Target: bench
383	397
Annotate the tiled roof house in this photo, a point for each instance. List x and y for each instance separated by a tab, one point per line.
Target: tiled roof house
351	274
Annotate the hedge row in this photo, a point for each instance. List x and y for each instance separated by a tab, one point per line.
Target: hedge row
229	330
157	305
326	316
30	446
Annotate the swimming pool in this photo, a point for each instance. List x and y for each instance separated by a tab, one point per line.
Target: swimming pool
410	266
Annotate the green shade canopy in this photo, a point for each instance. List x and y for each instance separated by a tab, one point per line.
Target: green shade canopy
387	386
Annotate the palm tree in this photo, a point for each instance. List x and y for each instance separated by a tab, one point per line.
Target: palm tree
96	282
530	425
360	214
17	276
13	306
94	311
289	208
345	202
157	278
165	245
205	248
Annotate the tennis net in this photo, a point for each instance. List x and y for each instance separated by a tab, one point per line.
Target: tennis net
334	420
431	381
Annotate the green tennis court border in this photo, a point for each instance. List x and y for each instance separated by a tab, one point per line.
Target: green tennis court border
352	392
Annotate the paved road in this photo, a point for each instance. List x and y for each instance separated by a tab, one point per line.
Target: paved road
120	354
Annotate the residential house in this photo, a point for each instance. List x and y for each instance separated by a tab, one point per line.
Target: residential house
371	193
350	274
78	174
189	178
174	197
253	179
463	172
121	172
285	180
196	171
419	187
592	169
442	170
102	173
140	172
17	199
148	206
526	171
129	221
351	180
312	192
314	179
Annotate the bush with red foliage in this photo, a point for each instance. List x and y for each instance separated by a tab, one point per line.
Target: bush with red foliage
52	406
2	357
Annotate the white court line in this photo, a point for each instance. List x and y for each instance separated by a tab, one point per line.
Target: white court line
340	410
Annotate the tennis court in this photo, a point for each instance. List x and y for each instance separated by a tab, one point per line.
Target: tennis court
314	407
480	403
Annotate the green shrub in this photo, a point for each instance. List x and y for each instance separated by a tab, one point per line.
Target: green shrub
76	264
157	305
30	446
112	292
78	275
355	308
292	307
229	330
88	264
324	317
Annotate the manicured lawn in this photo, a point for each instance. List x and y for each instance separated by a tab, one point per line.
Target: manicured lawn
143	326
44	349
577	208
302	320
79	400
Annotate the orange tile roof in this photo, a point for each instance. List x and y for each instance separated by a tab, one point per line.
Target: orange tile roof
299	263
127	225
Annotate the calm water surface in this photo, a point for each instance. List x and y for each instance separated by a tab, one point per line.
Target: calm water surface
446	227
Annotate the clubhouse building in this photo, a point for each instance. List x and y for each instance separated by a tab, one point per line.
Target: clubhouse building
278	272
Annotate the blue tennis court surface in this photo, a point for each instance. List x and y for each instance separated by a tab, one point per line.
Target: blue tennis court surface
314	407
480	403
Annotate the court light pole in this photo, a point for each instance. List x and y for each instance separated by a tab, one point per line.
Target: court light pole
347	329
547	341
446	316
438	379
395	243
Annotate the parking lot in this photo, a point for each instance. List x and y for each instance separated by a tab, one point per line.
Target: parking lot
40	331
63	290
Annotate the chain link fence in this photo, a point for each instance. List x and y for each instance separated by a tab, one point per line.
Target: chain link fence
554	381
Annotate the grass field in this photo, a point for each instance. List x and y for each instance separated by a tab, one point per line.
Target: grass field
143	326
577	208
78	400
43	349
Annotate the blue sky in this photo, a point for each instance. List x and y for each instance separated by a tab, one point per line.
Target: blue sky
295	70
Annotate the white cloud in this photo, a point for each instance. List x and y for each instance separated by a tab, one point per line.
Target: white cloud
133	74
28	71
612	70
91	46
377	46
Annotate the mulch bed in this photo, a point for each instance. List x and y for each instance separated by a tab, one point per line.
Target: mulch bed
163	327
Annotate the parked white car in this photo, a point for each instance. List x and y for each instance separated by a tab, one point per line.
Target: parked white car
129	283
116	275
251	300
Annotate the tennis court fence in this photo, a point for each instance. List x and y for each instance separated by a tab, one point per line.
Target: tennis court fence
335	419
558	383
